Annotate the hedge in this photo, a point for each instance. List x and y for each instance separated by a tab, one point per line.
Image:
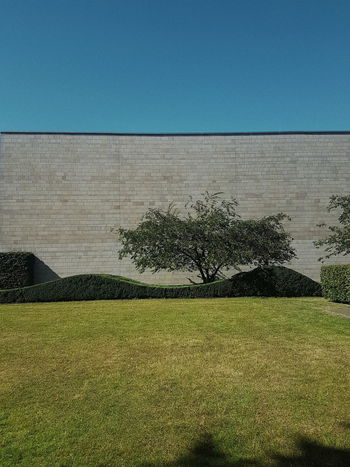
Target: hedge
16	269
335	282
276	281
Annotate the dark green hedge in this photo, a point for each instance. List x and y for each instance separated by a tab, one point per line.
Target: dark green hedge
335	282
16	269
275	281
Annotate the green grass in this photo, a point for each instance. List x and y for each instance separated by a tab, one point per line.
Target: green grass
174	382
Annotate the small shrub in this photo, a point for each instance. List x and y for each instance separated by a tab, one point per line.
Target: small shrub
275	281
335	282
16	269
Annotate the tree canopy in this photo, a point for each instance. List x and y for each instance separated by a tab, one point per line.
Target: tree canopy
338	240
209	239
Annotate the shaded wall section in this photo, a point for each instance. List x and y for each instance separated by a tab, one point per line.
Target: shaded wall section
61	194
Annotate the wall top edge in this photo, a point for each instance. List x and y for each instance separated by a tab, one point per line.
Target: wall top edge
254	133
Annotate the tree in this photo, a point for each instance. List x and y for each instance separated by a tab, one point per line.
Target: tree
209	239
338	241
267	240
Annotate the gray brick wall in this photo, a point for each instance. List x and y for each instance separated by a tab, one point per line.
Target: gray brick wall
61	194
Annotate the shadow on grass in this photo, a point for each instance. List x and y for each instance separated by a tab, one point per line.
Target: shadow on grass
311	454
206	453
315	454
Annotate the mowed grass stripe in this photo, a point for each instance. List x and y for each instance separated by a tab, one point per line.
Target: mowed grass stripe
142	382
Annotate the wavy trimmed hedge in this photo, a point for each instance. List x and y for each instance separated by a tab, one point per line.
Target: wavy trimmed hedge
16	269
273	281
335	282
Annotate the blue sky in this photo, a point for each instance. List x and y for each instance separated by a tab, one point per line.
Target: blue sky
174	66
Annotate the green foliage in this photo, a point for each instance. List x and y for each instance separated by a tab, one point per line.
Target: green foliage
16	269
266	240
274	281
209	239
335	282
338	241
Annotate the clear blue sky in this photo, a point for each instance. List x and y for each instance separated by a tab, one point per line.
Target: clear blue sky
174	65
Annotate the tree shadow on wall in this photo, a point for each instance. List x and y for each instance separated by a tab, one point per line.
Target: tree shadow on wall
311	454
42	272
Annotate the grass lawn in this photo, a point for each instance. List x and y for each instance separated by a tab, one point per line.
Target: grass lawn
217	382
